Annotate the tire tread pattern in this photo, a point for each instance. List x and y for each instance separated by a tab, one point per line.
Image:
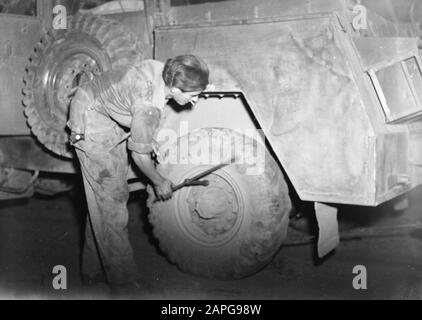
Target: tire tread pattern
102	30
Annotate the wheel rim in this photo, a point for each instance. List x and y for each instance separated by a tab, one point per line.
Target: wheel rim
62	58
60	78
65	80
212	215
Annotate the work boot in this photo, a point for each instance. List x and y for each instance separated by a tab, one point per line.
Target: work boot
138	289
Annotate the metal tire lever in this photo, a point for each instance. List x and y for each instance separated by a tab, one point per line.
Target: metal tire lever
194	181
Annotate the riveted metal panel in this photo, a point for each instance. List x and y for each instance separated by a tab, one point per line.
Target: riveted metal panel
297	79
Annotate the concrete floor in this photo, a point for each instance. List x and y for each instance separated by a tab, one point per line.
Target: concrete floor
37	234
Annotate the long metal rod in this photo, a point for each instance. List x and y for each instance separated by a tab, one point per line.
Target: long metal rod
203	174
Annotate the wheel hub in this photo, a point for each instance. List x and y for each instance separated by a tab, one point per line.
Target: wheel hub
214	210
212	203
73	70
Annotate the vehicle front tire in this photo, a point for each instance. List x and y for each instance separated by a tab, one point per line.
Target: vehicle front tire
234	226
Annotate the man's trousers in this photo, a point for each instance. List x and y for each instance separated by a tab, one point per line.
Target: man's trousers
104	164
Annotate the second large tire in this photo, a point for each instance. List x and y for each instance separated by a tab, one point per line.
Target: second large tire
88	46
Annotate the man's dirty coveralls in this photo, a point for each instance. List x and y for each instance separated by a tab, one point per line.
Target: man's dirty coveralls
129	97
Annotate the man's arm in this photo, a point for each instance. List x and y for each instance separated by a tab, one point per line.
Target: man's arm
162	186
144	123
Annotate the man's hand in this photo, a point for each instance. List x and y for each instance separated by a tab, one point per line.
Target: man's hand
162	186
163	190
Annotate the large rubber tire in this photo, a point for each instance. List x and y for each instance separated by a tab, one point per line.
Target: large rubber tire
195	228
90	45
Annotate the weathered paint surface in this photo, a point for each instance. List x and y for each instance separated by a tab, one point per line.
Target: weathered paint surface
306	82
297	81
392	171
14	55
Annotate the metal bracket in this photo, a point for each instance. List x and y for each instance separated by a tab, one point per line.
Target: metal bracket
328	237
